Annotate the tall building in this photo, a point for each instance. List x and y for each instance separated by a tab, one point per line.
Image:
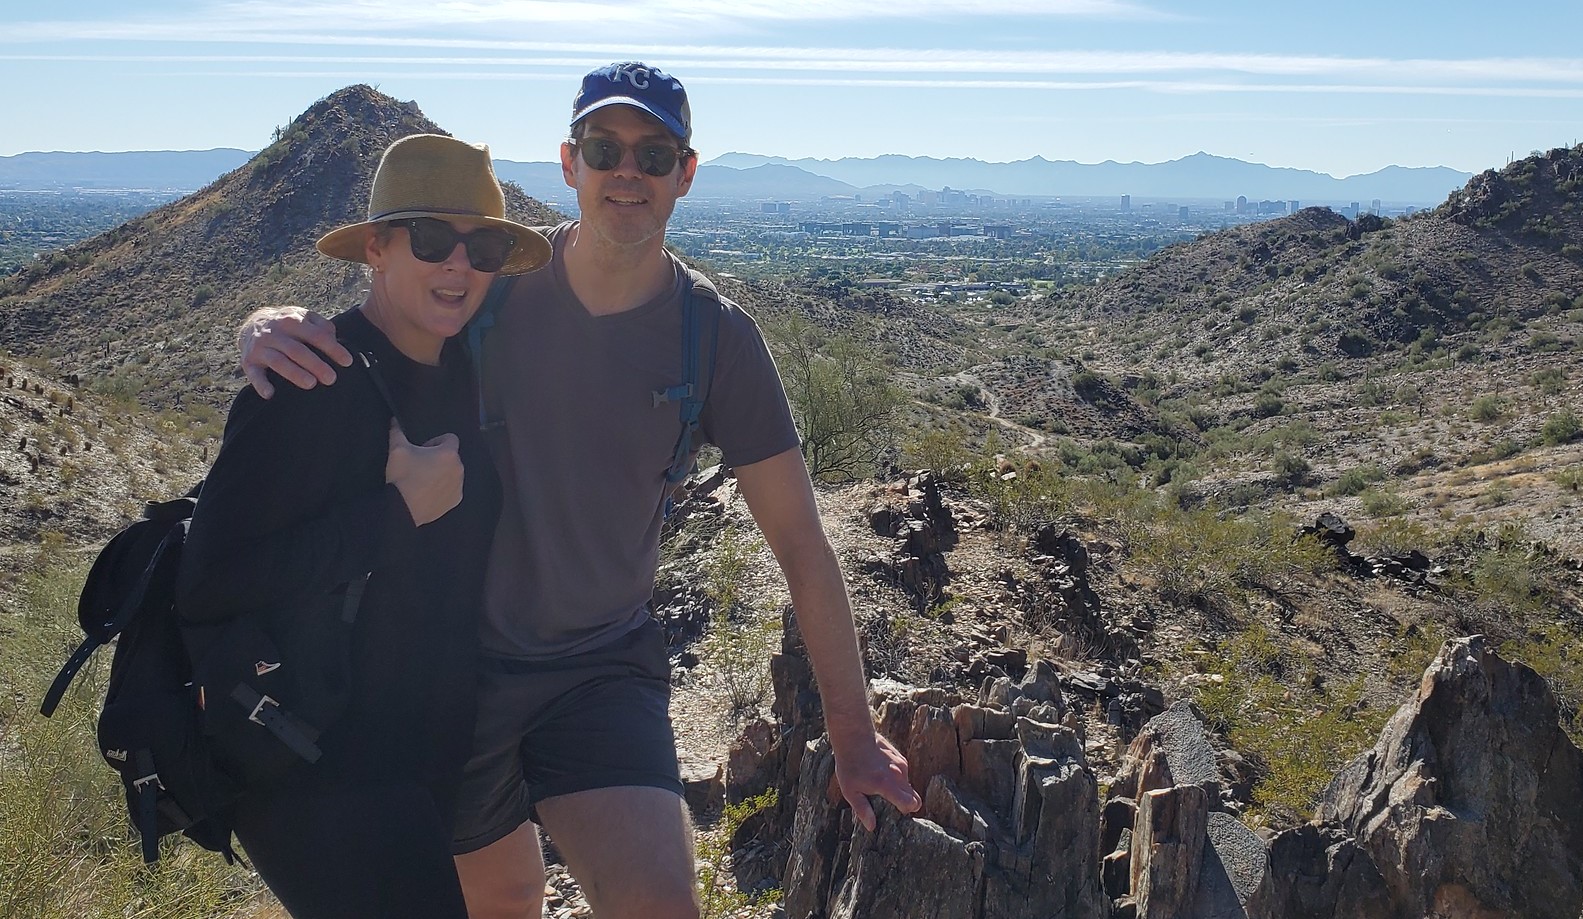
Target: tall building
1126	202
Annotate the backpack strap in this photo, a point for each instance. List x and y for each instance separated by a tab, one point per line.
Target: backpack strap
145	809
698	296
371	364
125	612
477	327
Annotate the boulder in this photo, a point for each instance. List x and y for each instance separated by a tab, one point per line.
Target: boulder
1470	805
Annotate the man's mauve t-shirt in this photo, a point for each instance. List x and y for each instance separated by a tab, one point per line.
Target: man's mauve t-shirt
584	450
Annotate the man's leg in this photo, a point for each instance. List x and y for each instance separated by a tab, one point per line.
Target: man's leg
629	847
505	879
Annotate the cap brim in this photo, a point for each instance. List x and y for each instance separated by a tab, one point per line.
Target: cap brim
350	243
670	122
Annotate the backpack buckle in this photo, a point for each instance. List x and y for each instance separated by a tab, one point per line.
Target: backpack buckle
259	708
140	784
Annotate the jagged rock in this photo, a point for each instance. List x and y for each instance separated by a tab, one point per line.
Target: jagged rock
1473	794
704	787
1320	871
1470	804
1228	862
1168	850
1172	749
1331	530
918	518
1009	827
750	762
886	866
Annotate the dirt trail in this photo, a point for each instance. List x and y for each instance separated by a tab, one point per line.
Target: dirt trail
1036	438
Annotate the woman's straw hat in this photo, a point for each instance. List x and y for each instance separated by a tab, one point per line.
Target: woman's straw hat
431	175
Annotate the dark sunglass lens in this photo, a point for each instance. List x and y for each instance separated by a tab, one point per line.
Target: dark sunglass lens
487	250
601	154
432	240
656	159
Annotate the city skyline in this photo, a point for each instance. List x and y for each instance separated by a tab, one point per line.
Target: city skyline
1343	90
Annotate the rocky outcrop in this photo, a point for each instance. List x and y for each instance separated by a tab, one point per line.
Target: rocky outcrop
912	513
1176	847
1009	826
1470	804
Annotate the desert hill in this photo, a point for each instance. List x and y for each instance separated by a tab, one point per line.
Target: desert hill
1430	360
148	310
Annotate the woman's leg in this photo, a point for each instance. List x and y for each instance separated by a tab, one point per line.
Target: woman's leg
376	850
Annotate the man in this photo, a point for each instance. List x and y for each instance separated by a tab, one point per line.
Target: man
573	729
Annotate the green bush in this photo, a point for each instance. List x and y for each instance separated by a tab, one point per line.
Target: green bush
718	897
847	409
1267	404
1379	503
1202	558
1290	469
1487	408
740	641
1261	696
1550	381
1562	427
1355	480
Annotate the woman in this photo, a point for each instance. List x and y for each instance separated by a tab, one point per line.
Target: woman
373	497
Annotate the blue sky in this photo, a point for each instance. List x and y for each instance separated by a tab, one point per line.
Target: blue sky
1341	87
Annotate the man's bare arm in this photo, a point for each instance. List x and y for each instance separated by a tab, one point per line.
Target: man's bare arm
781	498
283	339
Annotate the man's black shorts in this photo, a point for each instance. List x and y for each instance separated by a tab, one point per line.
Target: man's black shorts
547	728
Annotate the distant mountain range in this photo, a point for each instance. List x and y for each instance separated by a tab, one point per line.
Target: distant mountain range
748	175
1198	176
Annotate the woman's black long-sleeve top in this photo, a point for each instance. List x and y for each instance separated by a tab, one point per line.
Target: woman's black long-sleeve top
296	505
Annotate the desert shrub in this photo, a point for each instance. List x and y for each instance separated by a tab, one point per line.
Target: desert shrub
740	641
941	451
1396	536
1562	427
1024	501
1290	469
1379	503
1200	557
718	896
1355	343
1549	381
1355	480
1569	477
846	406
1261	696
1487	408
1267	404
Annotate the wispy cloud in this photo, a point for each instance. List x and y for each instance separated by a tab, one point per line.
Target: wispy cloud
610	19
965	68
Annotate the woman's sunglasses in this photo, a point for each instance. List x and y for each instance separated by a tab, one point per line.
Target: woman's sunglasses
604	154
434	240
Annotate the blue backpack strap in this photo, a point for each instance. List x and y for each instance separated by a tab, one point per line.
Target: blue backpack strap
693	390
481	323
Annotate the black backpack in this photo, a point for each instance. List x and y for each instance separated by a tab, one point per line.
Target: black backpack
195	714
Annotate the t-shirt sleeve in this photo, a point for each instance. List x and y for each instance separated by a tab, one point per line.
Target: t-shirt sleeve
276	522
745	413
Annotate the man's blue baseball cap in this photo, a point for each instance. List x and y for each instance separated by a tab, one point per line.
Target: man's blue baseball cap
637	84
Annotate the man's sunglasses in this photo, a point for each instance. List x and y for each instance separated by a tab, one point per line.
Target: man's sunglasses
604	154
434	240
